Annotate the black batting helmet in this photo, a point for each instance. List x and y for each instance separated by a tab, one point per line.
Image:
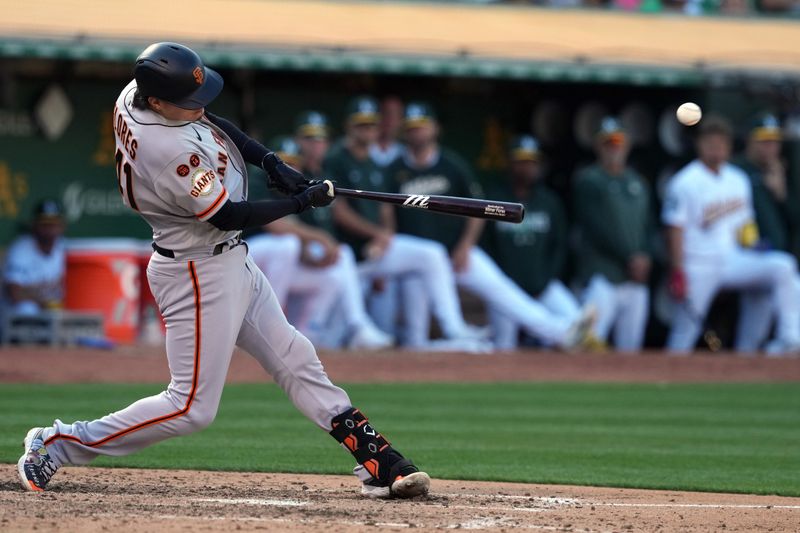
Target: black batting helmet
176	73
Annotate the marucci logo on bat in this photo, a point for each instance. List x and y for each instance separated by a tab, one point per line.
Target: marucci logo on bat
417	200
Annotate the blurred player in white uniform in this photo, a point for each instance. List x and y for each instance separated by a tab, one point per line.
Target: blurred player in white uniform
709	216
33	276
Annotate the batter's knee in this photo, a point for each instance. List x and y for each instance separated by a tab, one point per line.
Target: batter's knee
196	419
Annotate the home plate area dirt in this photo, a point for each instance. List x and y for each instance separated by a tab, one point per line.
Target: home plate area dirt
97	499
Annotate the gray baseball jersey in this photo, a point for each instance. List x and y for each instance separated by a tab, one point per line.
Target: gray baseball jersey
175	173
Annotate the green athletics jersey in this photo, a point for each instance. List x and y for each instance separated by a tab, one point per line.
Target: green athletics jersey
615	221
448	175
533	252
341	166
773	217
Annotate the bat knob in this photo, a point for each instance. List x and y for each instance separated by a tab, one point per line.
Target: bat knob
331	189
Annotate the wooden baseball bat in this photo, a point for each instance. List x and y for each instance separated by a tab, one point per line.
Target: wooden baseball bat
451	205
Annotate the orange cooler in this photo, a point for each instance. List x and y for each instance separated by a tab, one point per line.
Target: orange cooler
103	276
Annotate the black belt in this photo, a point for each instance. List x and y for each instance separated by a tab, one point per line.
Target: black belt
218	249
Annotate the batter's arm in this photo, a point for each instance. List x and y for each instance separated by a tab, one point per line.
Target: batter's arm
241	215
253	151
281	175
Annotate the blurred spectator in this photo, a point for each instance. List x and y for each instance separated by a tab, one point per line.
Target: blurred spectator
387	148
731	8
33	277
709	216
426	168
312	134
777	214
614	222
532	253
320	246
779	7
366	225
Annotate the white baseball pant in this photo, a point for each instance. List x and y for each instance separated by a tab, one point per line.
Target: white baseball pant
556	298
623	307
484	278
740	269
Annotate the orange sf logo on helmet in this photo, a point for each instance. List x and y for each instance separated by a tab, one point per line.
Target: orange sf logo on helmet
198	75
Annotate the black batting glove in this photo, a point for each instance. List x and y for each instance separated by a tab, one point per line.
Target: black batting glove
319	194
283	177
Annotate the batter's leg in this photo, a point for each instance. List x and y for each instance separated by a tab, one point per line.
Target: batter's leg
634	304
289	357
292	361
203	304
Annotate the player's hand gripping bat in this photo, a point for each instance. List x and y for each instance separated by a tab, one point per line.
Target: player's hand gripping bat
451	205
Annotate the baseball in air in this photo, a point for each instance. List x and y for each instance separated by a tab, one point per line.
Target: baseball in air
689	114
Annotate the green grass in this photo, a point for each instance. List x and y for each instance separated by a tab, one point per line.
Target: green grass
730	438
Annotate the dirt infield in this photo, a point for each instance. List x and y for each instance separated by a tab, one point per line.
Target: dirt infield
94	499
142	365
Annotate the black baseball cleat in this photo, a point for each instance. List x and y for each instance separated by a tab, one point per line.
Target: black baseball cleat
35	467
407	483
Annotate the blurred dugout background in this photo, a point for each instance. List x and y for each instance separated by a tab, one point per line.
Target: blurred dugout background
492	71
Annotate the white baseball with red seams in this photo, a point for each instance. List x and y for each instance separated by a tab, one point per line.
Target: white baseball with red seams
689	114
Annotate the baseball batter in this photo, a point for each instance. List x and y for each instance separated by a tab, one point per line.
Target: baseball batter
709	215
184	172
